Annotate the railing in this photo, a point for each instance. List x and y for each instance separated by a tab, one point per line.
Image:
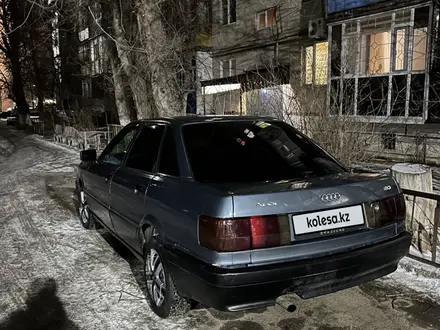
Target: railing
435	246
81	139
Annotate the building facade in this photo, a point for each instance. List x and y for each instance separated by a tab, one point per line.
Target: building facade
257	55
370	60
82	88
383	60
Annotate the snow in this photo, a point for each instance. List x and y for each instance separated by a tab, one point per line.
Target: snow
54	145
416	276
6	147
410	168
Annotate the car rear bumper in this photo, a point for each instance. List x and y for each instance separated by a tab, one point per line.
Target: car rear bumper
259	286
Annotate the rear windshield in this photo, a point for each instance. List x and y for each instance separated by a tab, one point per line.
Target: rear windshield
245	151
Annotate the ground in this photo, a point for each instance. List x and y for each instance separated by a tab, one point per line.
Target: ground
56	275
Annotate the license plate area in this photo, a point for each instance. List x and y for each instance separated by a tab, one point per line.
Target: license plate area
328	222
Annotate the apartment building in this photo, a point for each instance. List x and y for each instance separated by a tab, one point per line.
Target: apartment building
257	50
82	65
383	61
373	60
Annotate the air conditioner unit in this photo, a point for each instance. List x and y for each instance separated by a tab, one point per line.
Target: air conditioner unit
317	28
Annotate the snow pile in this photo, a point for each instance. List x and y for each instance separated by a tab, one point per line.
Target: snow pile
416	276
43	141
427	254
6	147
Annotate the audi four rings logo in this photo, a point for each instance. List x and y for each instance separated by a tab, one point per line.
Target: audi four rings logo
331	197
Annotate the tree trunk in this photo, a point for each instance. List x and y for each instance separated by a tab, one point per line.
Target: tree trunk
14	57
18	89
139	84
419	178
161	57
123	105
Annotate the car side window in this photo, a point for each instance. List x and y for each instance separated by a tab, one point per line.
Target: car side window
145	151
116	153
168	163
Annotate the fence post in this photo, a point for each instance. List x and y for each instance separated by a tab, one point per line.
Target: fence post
424	148
435	234
85	140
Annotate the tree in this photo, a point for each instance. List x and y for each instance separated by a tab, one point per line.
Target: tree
25	32
12	20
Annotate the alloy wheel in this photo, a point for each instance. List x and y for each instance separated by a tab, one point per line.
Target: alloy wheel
84	212
155	277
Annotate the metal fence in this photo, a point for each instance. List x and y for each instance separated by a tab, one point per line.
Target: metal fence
96	139
434	243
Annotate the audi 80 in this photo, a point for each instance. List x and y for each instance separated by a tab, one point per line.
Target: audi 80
233	212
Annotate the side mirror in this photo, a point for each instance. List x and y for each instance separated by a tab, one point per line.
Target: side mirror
88	155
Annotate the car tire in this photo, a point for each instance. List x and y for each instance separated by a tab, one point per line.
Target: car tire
85	216
162	296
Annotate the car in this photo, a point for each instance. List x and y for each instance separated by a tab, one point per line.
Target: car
11	120
234	212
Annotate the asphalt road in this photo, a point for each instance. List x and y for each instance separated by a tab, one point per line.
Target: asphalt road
56	275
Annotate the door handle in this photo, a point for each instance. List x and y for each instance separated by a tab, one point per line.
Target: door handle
137	189
108	177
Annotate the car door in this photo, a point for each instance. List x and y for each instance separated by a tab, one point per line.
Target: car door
98	177
131	181
166	197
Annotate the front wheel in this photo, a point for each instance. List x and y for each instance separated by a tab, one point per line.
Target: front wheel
85	216
162	295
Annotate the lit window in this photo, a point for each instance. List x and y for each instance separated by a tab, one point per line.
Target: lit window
419	49
401	59
266	18
229	11
321	65
316	64
379	52
309	65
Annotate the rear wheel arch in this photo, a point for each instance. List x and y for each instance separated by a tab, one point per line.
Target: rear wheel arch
148	228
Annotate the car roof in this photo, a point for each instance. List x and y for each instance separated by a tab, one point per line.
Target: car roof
192	119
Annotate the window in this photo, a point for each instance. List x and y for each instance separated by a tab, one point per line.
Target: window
389	48
115	152
316	64
247	151
267	18
401	58
228	68
229	11
419	49
379	52
97	55
97	13
143	155
87	91
84	58
83	35
168	156
377	42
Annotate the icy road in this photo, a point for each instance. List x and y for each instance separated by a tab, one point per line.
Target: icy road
56	275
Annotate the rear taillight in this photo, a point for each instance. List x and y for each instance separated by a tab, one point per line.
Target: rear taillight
386	211
239	234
